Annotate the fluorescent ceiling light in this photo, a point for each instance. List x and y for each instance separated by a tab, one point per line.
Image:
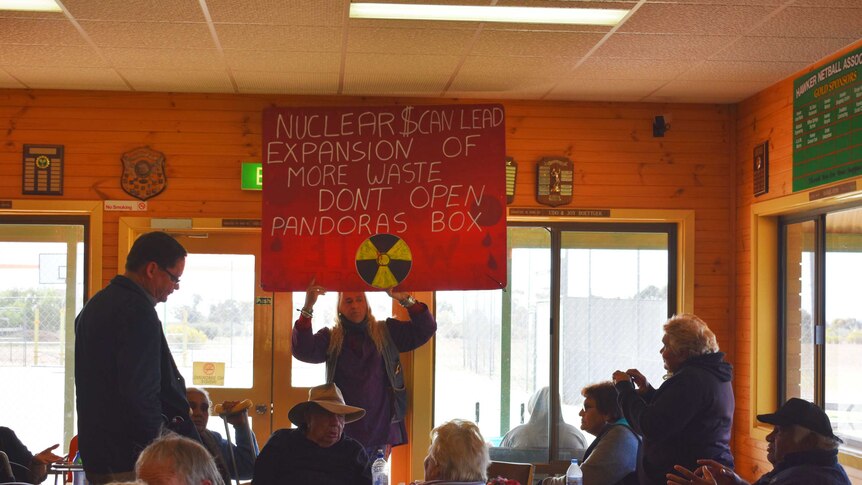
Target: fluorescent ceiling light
30	5
525	15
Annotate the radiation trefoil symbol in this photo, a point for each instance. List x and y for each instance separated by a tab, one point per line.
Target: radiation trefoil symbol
383	260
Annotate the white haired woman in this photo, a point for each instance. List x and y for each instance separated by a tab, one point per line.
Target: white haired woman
691	414
458	455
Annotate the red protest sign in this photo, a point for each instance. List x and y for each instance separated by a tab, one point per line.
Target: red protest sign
372	197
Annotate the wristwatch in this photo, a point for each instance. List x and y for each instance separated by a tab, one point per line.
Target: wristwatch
407	302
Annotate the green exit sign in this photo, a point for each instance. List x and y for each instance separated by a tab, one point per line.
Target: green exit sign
252	176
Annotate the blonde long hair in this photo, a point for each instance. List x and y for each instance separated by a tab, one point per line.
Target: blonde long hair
375	329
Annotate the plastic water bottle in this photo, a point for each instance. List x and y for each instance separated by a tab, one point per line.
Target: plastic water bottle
378	470
574	475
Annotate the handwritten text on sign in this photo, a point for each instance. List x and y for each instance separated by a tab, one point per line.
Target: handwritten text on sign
431	179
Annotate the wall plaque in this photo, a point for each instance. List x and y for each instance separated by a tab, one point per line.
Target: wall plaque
144	173
761	168
43	170
554	181
511	176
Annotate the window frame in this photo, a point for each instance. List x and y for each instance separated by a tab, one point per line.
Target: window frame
818	316
679	230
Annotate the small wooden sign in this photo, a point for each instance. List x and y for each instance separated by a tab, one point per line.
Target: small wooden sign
761	168
511	177
43	170
554	181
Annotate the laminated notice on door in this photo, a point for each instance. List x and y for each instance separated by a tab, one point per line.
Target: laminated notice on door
208	373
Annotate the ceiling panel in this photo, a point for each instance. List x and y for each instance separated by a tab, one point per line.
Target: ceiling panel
669	18
187	35
137	11
38	77
179	60
387	40
630	69
783	49
178	81
56	56
536	44
688	91
817	21
759	71
309	83
331	13
280	61
279	37
660	46
40	32
516	67
590	89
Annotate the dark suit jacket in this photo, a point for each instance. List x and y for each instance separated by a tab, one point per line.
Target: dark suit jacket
128	385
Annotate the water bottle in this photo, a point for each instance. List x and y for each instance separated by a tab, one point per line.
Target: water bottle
78	475
574	475
378	470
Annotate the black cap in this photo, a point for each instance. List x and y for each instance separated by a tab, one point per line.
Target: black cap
801	413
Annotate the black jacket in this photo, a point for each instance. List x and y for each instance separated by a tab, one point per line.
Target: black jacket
127	383
291	458
689	417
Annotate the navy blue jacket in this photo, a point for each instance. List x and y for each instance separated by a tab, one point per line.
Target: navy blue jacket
818	467
291	458
127	383
689	417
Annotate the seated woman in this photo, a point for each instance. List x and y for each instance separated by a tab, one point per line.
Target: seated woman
318	452
458	455
245	450
534	433
612	457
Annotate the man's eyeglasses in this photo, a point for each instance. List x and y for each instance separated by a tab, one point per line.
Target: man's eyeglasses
172	276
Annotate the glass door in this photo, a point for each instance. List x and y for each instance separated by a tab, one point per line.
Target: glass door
219	322
583	300
42	274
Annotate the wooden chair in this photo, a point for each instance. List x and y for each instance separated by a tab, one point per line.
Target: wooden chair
522	472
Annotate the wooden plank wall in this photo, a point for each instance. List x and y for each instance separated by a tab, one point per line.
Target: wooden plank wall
766	116
205	137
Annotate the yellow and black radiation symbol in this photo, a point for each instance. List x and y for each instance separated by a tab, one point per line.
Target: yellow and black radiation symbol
383	260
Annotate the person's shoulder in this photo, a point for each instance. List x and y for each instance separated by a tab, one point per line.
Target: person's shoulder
807	474
621	432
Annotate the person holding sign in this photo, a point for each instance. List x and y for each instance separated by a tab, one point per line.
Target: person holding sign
361	355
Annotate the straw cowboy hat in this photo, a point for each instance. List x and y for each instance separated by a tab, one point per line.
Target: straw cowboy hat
327	396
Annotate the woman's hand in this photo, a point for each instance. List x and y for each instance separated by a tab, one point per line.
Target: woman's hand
639	379
397	295
311	294
620	376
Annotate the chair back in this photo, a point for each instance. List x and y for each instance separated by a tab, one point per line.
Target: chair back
6	474
522	472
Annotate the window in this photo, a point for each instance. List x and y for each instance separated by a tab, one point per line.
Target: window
42	274
583	300
821	318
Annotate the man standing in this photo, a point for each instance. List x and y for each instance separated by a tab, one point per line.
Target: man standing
128	386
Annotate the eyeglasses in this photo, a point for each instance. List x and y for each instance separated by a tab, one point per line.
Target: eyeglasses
172	276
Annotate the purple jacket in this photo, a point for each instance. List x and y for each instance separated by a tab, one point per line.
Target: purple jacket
360	372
